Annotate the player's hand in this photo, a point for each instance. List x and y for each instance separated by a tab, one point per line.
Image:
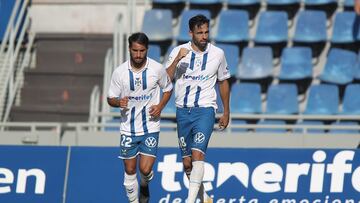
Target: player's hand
182	53
223	121
123	102
155	111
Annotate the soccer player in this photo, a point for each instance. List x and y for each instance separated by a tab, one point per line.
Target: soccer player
197	66
135	89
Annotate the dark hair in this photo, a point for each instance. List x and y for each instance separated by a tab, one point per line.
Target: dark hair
197	21
139	37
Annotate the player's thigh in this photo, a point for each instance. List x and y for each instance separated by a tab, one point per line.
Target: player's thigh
130	165
146	163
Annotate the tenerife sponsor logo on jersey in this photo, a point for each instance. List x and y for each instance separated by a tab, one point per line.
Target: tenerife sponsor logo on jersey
323	178
140	98
196	77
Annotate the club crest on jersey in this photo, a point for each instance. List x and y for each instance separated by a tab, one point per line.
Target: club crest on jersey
138	82
198	62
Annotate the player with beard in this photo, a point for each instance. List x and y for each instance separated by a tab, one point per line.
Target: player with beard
196	67
135	89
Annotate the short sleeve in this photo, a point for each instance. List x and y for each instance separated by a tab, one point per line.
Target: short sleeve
223	71
115	85
164	81
171	57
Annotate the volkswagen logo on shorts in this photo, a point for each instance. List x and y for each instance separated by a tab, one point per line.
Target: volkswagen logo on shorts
150	142
199	137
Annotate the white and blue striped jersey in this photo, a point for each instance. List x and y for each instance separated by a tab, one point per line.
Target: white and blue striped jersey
196	75
143	90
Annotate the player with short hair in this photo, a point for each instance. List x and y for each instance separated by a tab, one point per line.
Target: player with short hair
135	89
197	66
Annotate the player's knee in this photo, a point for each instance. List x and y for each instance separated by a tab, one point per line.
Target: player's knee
130	170
145	170
147	177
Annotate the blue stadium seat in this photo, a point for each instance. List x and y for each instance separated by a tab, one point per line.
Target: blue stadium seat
282	99
344	33
328	6
271	130
340	67
251	6
214	6
115	120
296	63
357	72
309	122
245	98
151	24
310	30
322	99
272	30
184	23
351	101
154	52
176	6
232	57
344	131
349	5
290	6
233	27
256	63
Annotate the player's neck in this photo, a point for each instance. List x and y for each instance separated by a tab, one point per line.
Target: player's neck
196	48
137	67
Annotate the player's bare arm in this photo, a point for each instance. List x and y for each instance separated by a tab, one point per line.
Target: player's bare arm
172	68
116	102
357	6
225	95
155	110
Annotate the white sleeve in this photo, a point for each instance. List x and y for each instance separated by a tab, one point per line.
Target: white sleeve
223	70
164	81
115	85
171	57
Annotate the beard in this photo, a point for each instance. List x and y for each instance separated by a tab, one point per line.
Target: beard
201	45
137	62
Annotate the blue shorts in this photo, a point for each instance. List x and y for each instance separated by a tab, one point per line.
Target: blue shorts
194	126
131	146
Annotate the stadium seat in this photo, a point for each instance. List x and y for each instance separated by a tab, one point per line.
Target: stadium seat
345	31
323	99
151	21
183	36
251	6
271	130
296	67
154	52
351	101
176	6
296	63
272	30
233	27
310	30
238	122
256	63
357	72
245	98
312	130
348	5
282	99
290	6
232	57
340	67
214	6
344	131
328	6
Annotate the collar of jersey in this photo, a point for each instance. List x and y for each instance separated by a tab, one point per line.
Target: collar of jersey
145	67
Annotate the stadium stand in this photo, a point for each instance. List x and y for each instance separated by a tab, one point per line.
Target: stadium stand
154	52
214	6
282	99
345	31
63	76
328	6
